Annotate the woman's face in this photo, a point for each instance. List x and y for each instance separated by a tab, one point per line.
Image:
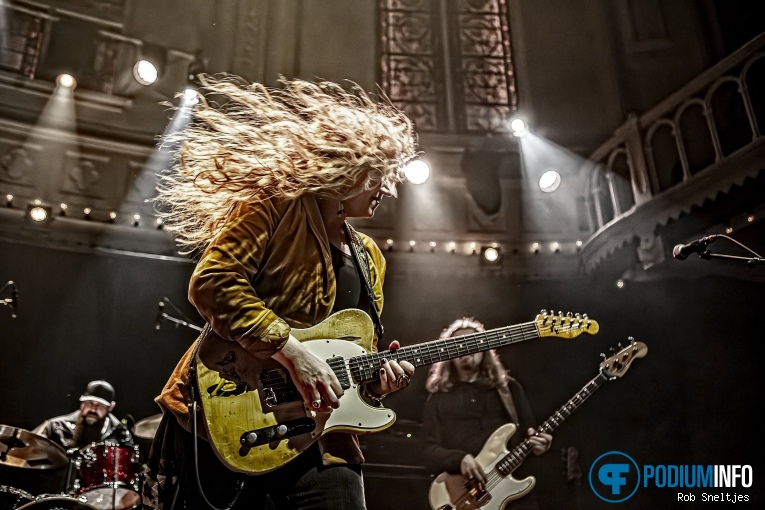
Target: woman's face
362	203
467	366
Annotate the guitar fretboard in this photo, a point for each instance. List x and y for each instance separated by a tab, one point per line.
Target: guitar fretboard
366	368
516	456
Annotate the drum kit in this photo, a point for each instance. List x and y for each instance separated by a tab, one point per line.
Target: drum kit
100	476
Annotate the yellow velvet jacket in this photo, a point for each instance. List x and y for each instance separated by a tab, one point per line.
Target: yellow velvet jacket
269	270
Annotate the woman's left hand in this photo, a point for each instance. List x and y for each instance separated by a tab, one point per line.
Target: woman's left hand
540	443
394	375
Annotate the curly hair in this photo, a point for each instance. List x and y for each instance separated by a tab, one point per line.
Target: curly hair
492	373
247	143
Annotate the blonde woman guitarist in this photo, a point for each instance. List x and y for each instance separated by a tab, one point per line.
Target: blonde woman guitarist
262	186
470	398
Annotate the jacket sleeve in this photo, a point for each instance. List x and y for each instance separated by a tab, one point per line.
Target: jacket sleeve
437	458
221	289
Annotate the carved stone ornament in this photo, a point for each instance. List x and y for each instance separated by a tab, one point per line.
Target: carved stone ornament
16	164
84	175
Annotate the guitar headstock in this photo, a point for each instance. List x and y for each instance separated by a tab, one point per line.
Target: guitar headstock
565	326
618	364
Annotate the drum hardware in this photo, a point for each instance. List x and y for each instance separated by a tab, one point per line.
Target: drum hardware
58	502
12	498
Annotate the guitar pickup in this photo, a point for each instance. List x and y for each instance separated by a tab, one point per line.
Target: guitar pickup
265	435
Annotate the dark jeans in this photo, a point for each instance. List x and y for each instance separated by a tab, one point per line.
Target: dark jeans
301	484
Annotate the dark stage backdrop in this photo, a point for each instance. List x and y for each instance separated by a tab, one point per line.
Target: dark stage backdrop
692	400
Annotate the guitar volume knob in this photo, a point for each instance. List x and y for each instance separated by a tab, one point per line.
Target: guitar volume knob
250	439
281	430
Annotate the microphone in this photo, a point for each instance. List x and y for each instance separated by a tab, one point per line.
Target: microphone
160	315
681	251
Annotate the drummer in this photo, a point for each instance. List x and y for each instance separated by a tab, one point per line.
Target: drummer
91	423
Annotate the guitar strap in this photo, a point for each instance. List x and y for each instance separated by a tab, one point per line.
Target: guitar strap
360	256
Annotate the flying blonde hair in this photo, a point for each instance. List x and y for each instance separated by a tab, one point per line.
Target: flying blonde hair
492	373
247	143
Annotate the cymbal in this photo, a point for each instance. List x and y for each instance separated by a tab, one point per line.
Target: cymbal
23	449
147	427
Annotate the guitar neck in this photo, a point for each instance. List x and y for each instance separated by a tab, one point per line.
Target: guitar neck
517	455
366	368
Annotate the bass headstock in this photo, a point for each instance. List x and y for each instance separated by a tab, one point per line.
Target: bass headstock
565	326
618	364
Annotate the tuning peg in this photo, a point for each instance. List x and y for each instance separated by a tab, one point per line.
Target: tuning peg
603	355
578	315
631	339
543	312
569	314
560	313
619	344
586	316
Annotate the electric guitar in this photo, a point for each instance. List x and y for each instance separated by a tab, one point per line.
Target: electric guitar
456	492
256	418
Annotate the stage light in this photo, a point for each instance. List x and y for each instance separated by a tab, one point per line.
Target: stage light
145	72
432	246
535	248
729	230
555	247
160	223
66	80
620	284
579	244
549	181
417	171
750	218
112	215
452	247
39	213
491	256
87	212
190	97
9	200
519	127
473	247
136	219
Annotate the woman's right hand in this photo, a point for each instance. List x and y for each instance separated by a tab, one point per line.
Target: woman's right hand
312	376
470	468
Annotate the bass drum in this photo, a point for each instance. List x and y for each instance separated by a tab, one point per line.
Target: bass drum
57	502
12	498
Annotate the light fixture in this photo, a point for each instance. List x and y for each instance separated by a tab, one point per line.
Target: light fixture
473	248
160	223
87	212
112	215
39	213
555	247
519	127
190	97
136	219
452	247
750	218
9	200
417	171
728	230
66	81
432	246
62	209
620	284
145	72
491	256
549	181
389	242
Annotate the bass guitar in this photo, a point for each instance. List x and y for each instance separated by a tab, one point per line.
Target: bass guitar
256	419
456	492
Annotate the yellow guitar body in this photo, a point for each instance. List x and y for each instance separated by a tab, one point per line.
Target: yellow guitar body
451	490
238	399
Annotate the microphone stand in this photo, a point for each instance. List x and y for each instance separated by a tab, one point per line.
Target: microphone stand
9	302
175	320
752	262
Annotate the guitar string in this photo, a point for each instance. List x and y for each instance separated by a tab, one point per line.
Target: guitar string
452	348
514	459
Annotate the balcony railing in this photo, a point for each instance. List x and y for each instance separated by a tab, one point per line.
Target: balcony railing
659	164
